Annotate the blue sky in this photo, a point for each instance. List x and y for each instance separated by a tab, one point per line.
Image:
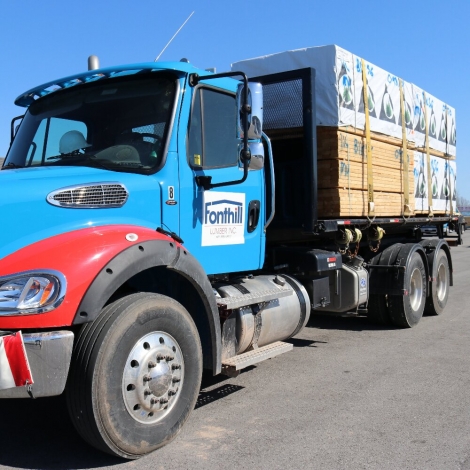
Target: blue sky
424	42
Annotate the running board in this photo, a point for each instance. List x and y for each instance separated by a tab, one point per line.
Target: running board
233	365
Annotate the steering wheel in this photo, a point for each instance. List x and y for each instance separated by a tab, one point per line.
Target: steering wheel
147	150
131	137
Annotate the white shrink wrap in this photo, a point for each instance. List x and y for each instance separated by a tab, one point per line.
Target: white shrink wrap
340	102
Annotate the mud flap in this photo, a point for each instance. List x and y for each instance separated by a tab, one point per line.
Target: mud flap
14	365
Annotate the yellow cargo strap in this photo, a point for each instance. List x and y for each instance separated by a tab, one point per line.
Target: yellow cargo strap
370	176
428	158
405	156
448	168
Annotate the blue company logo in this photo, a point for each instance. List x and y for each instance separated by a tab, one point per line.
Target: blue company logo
229	215
369	67
363	282
392	79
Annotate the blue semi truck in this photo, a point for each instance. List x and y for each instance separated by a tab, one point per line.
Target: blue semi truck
151	230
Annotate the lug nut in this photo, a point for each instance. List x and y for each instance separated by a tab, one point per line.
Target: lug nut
175	366
152	365
147	378
171	393
176	380
163	401
160	357
147	392
169	358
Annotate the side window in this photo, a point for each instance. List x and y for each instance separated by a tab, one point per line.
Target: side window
195	133
212	137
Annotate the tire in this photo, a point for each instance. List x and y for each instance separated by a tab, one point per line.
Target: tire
407	310
437	301
135	375
377	310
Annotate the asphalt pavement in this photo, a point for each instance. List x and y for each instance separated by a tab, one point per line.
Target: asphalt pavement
350	395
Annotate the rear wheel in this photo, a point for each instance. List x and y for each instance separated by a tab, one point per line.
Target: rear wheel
407	310
135	375
377	310
440	286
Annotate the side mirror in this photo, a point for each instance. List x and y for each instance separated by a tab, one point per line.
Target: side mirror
255	117
257	156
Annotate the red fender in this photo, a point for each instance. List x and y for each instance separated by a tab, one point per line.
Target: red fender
79	255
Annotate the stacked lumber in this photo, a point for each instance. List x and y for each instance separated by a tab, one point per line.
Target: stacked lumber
342	174
396	110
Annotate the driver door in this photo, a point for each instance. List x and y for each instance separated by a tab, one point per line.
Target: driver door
222	227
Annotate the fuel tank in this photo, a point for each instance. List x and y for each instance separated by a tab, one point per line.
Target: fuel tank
276	307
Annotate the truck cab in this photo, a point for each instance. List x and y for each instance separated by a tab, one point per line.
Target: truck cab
148	136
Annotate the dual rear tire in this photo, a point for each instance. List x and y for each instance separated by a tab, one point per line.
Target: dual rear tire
437	300
406	311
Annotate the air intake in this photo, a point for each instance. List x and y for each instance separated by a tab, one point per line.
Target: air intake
90	196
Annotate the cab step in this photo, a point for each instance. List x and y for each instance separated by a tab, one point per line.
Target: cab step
233	365
232	303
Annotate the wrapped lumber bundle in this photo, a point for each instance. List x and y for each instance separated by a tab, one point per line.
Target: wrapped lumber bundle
408	135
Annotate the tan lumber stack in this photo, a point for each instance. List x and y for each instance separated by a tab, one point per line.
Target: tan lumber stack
342	173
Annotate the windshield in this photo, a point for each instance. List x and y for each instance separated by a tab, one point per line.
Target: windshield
118	124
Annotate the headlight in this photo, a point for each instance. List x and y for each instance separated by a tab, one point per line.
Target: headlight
31	292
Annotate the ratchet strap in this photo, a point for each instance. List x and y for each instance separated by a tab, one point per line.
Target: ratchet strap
405	156
448	168
370	176
428	157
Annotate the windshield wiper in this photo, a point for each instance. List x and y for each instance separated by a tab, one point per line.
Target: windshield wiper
129	164
81	156
10	166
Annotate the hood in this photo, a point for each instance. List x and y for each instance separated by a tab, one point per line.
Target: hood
27	217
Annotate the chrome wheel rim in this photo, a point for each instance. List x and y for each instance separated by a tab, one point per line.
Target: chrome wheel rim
416	289
153	377
441	282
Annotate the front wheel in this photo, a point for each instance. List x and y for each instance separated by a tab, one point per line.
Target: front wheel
135	375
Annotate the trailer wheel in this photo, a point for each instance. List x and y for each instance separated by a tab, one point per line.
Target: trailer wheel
437	301
377	310
135	375
407	310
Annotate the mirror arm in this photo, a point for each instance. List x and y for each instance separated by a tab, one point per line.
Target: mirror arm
17	118
205	181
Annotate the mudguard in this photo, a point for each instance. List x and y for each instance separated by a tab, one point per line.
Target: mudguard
432	248
403	259
391	280
146	255
382	281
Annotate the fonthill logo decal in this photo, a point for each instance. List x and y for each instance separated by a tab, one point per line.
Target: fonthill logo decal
223	219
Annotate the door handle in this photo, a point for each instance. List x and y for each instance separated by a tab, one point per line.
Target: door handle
253	215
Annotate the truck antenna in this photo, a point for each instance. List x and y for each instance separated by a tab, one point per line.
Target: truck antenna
174	35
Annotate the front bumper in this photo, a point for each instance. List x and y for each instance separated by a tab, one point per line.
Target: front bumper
49	355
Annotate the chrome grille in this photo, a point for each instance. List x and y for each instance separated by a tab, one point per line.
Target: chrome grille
90	196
